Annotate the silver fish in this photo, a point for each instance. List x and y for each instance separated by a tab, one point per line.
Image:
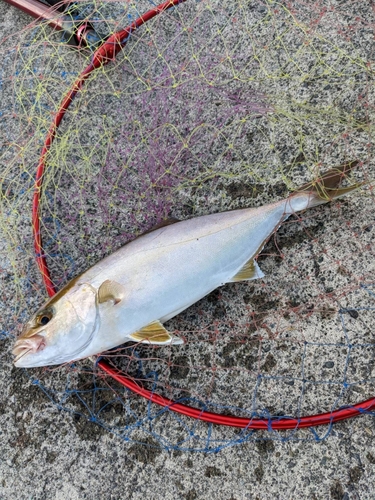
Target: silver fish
130	294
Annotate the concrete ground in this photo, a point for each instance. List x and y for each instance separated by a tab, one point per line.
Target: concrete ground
62	431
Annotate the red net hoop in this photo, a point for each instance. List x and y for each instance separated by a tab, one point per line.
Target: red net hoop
106	53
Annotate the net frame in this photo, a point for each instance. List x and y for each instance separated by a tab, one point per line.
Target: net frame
103	55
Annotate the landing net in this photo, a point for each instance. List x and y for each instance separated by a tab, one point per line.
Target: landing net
208	107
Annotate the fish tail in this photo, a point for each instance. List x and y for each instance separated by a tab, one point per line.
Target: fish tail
323	189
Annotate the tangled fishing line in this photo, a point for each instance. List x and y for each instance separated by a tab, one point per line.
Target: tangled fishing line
203	108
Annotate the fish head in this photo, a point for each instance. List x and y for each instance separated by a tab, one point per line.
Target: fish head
61	329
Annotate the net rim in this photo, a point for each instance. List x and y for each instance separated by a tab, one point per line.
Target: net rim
103	55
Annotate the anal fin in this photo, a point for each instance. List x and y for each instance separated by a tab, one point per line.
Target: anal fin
155	333
250	271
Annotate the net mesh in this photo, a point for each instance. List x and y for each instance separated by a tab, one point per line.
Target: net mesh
209	107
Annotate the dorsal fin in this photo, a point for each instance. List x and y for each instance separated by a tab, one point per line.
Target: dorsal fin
250	271
163	223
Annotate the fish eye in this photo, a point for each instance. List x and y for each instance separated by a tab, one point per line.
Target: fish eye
44	318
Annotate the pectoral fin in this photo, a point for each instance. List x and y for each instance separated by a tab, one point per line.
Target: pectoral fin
111	290
155	333
250	271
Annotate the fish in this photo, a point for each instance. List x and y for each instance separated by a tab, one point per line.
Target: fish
130	294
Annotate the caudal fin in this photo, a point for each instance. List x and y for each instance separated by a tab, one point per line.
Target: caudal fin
323	189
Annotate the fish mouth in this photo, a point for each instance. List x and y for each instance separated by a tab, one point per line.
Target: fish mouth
32	344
